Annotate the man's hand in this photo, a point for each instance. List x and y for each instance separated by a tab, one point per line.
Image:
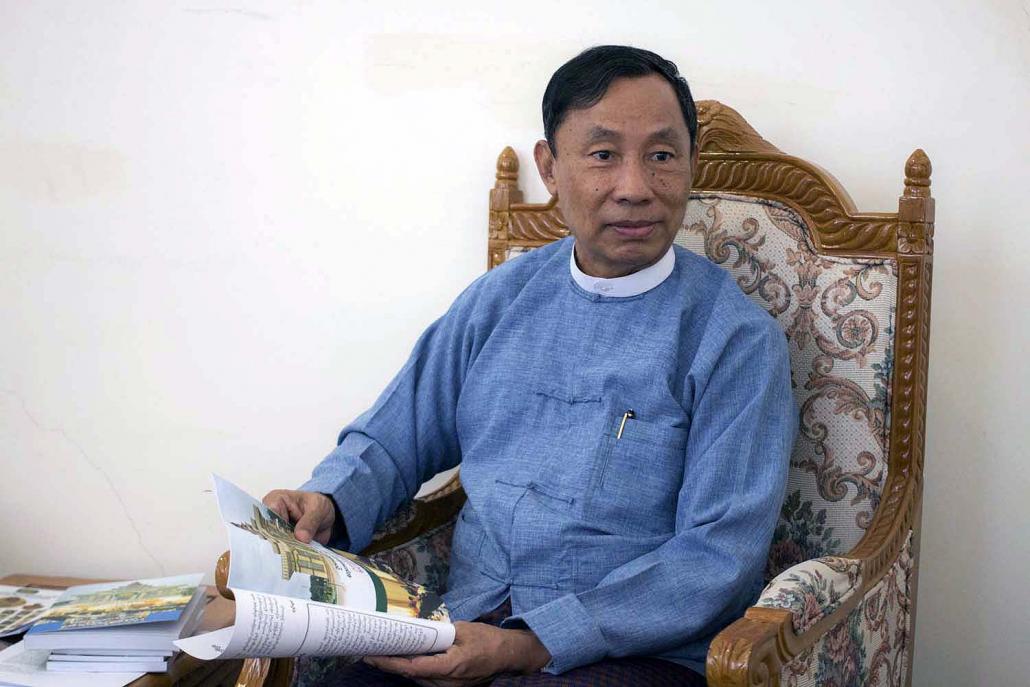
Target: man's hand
479	652
313	512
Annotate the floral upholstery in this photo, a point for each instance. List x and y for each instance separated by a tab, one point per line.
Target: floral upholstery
314	671
425	559
814	589
868	647
838	315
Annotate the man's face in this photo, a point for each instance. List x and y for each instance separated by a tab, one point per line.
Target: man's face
622	173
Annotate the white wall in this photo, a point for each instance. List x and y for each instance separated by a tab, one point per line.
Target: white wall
222	226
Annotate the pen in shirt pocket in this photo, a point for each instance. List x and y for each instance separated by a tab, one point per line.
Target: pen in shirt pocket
628	415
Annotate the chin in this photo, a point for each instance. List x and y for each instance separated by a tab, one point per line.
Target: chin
639	253
633	261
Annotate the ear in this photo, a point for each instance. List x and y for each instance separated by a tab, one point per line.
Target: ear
545	165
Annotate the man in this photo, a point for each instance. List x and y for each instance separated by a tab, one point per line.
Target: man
621	412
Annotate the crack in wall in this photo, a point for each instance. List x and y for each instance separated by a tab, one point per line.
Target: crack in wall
93	464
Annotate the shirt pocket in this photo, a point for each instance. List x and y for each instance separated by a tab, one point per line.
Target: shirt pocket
638	478
467	541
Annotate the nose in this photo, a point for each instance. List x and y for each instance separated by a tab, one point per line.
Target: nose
632	183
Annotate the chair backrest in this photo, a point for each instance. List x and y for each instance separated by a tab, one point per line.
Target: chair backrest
851	291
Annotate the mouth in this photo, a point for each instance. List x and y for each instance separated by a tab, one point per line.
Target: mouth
634	229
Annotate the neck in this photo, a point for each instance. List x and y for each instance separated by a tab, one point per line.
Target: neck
635	281
610	271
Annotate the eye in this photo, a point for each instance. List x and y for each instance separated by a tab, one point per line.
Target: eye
602	155
662	156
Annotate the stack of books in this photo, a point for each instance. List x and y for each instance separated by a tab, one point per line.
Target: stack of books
118	626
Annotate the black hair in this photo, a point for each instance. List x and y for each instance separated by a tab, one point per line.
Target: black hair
583	80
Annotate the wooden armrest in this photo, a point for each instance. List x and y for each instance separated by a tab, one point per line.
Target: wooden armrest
266	672
222	576
750	651
754	650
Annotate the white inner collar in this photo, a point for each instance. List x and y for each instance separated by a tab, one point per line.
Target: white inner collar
623	287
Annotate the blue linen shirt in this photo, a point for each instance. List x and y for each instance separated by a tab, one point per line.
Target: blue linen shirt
647	544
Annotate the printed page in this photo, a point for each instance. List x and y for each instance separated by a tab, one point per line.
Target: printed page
265	556
274	626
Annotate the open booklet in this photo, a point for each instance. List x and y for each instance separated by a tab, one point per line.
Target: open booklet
295	599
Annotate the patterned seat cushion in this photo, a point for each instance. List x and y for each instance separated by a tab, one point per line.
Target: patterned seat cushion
870	645
424	559
813	589
838	315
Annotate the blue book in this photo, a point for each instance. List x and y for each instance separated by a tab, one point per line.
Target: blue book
118	604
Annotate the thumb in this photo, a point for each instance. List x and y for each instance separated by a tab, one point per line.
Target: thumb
312	520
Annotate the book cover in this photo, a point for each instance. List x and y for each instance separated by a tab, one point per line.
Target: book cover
153	636
117	604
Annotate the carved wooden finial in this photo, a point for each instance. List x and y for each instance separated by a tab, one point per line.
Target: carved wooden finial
721	129
507	169
504	193
916	207
917	175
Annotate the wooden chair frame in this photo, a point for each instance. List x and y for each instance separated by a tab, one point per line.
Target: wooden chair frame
734	158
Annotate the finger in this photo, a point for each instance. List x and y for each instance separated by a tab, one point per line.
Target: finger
464	629
425	667
325	530
275	501
389	664
433	666
323	535
314	519
295	507
374	662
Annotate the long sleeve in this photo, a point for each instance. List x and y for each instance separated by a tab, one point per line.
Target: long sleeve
742	429
407	436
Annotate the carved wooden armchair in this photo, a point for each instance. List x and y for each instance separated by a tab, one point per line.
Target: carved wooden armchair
852	293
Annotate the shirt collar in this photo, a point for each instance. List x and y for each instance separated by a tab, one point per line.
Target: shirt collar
630	285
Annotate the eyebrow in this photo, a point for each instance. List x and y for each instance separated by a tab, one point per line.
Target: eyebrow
600	133
668	135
